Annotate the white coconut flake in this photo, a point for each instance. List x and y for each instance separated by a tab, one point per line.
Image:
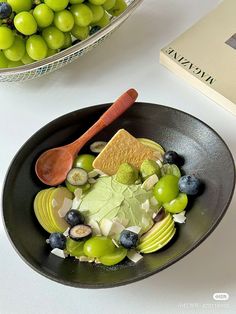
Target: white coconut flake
158	161
149	183
95	227
101	173
96	261
116	228
134	256
180	218
105	226
66	232
153	201
78	193
66	206
92	180
135	229
146	205
93	174
76	202
59	253
54	203
85	259
115	242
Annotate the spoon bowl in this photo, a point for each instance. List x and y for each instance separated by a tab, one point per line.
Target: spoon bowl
54	164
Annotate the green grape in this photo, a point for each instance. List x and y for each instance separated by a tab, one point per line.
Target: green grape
105	20
36	47
80	32
43	15
64	20
114	258
74	248
97	11
119	7
83	16
20	5
16	51
97	2
51	52
98	246
84	161
3	61
72	188
26	59
68	41
166	189
109	4
54	37
170	169
14	64
6	37
76	1
57	5
178	204
25	23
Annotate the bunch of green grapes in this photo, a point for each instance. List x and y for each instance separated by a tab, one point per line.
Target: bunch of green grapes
31	30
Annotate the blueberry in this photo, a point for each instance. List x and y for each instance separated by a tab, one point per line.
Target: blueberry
94	29
73	217
5	10
128	239
189	184
171	157
57	240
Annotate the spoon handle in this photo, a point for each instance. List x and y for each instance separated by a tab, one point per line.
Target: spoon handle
124	102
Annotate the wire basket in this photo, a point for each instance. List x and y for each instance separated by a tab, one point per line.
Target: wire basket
57	61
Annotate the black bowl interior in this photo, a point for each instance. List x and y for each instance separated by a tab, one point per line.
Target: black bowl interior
205	154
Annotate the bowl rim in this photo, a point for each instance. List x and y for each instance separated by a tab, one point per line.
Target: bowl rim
213	226
58	57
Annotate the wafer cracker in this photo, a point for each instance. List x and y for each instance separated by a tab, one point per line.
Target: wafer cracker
123	147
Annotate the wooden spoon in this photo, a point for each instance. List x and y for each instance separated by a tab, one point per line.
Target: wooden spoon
53	165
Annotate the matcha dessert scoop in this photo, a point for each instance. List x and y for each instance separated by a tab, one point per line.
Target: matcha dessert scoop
148	168
127	174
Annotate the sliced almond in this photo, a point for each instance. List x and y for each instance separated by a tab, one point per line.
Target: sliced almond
179	218
134	229
149	183
66	206
134	256
146	205
59	253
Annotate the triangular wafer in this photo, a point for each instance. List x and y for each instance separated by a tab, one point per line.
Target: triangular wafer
123	147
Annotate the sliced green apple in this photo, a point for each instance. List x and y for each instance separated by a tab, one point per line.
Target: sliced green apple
160	244
39	211
159	236
152	144
157	229
48	212
56	201
44	208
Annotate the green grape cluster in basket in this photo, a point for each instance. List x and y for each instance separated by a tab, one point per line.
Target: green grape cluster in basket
32	30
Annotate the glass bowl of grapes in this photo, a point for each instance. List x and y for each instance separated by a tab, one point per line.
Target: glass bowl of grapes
40	36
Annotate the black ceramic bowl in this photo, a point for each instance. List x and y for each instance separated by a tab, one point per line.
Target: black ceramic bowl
205	154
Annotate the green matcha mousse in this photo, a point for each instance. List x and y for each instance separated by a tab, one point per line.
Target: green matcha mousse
110	199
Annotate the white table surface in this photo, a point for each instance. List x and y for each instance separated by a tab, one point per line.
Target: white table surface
130	58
